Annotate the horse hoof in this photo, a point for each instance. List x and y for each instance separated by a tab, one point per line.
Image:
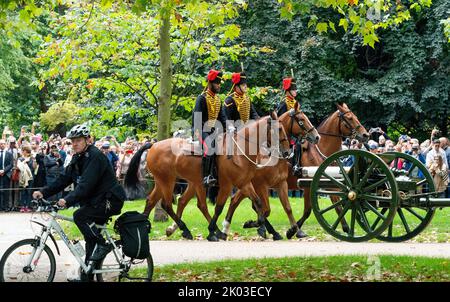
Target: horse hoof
221	235
212	238
277	236
301	234
187	235
291	232
262	233
250	224
169	232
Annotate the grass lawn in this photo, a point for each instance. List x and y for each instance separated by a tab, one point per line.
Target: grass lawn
321	269
437	231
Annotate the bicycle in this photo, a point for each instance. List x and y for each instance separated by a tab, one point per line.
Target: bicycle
20	261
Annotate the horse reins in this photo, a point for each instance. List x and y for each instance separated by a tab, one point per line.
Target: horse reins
293	116
347	124
248	158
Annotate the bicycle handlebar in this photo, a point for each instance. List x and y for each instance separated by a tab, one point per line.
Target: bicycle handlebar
47	206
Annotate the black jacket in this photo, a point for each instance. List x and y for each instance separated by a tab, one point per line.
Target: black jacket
9	163
53	165
94	180
202	106
282	108
232	113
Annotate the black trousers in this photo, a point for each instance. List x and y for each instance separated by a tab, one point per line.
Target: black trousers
87	216
4	195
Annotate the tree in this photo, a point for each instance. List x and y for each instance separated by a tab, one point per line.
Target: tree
106	58
60	117
364	17
402	83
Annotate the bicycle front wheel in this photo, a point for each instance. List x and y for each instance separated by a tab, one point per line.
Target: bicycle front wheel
15	263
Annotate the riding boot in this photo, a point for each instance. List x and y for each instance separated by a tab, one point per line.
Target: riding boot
296	160
208	165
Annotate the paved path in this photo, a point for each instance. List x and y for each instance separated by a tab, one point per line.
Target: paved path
15	226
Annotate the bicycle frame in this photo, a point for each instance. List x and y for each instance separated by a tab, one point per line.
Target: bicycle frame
54	225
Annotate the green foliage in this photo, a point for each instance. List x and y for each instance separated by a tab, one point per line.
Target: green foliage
107	60
403	81
446	24
59	115
19	100
364	17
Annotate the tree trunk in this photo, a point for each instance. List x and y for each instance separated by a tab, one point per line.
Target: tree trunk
165	92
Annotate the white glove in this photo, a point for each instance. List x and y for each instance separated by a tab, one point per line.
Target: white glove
231	128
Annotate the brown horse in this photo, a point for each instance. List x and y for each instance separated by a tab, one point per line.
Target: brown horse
295	123
276	176
234	170
341	124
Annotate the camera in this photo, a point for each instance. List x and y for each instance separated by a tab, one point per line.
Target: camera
435	134
108	137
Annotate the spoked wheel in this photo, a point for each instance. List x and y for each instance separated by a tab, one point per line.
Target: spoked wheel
141	270
413	180
362	198
14	268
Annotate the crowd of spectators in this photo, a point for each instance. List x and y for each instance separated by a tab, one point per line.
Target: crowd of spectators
30	162
434	153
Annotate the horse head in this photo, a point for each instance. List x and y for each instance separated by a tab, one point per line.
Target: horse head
275	127
349	124
296	123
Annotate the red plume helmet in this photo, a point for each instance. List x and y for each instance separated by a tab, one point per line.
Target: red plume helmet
287	83
213	75
236	78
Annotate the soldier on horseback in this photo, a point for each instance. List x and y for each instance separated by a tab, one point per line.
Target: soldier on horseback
209	108
288	103
238	105
290	93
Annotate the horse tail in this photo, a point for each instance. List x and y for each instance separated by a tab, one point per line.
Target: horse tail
132	183
213	192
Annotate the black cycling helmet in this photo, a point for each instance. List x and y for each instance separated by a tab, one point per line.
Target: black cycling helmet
79	131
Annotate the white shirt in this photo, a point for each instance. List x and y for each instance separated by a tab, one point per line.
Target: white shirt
3	155
432	153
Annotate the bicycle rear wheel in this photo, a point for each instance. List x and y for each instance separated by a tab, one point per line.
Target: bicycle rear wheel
13	265
142	271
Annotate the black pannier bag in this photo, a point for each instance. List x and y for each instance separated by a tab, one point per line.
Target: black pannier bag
134	228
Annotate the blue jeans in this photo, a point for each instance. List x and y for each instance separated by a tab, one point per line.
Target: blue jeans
25	195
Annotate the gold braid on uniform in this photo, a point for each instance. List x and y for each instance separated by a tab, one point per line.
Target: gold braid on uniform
213	102
243	105
290	103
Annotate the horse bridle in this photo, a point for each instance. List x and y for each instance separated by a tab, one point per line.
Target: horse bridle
293	114
253	142
343	119
248	140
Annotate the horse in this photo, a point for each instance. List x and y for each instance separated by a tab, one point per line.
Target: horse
294	123
166	166
276	176
342	123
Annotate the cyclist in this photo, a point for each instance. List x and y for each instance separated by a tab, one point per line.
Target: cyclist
96	190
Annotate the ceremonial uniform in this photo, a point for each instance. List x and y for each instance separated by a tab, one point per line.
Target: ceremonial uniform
289	101
238	105
286	105
208	105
